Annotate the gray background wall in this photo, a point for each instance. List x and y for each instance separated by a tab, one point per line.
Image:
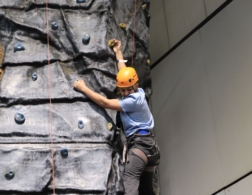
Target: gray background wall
202	106
171	20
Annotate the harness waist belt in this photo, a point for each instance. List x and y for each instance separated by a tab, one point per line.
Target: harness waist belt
143	132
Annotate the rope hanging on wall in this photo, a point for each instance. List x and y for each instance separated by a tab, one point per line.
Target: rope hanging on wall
133	34
50	96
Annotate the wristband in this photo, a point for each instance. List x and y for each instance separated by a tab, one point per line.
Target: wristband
121	61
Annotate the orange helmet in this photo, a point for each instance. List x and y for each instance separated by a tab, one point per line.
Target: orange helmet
126	77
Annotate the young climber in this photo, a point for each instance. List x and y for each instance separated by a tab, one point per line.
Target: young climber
141	152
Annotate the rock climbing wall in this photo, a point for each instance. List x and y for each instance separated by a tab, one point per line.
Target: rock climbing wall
53	138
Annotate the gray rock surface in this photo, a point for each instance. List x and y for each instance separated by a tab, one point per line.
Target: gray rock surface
85	160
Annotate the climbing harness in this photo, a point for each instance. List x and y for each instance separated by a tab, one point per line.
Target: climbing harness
128	141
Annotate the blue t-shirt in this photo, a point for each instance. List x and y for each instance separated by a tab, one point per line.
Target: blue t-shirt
136	114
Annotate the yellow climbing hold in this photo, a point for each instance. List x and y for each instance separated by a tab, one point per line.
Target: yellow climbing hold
148	62
109	126
1	73
111	43
1	54
123	26
144	6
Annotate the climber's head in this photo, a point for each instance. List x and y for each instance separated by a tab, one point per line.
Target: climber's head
127	81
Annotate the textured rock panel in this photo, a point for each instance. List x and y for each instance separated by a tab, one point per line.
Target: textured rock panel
86	168
64	126
42	92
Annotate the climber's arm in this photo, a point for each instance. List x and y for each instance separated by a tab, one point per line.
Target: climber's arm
97	98
119	55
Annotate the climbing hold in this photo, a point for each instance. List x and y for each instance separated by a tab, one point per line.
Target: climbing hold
80	1
111	43
19	118
34	76
123	26
64	152
148	62
80	124
109	126
1	73
10	175
85	39
144	6
18	47
1	54
54	26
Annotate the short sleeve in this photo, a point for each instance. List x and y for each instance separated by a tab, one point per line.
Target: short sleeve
131	103
128	104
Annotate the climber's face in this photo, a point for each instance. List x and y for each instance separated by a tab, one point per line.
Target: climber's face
125	91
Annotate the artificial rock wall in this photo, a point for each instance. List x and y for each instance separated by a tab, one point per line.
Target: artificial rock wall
47	129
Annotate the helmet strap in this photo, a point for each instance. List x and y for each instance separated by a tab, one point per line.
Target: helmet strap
134	88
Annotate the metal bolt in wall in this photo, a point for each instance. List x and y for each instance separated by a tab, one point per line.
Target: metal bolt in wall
64	152
54	26
80	124
18	47
10	175
80	1
86	39
34	76
19	118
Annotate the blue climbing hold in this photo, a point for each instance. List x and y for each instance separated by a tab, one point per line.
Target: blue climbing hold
85	39
18	47
54	26
34	76
19	118
80	1
10	175
64	152
80	124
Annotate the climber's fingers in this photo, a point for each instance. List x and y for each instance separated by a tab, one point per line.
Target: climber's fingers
117	45
79	84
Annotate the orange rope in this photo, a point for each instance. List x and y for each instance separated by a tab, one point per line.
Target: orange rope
50	96
133	34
